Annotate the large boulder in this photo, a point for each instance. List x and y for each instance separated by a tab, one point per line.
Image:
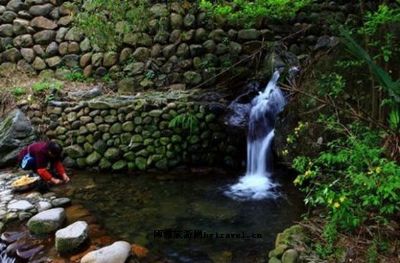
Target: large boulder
118	252
15	133
47	221
70	238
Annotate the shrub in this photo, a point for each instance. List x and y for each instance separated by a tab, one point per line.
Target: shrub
249	12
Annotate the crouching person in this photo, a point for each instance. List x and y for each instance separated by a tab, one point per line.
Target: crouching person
38	156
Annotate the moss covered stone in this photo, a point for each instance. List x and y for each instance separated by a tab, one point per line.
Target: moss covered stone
88	147
278	251
47	221
120	165
93	158
125	138
104	127
92	127
130	156
293	233
112	153
128	126
274	260
141	163
116	128
137	138
104	164
74	151
100	146
290	256
162	164
81	162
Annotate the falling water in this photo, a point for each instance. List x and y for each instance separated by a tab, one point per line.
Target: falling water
257	184
3	255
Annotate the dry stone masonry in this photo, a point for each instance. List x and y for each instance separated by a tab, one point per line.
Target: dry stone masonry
135	133
181	47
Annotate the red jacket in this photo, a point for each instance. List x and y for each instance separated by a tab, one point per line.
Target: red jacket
39	151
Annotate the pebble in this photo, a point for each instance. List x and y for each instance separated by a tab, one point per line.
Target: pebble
63	201
21	205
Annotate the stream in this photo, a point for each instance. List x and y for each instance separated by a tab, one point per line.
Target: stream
184	216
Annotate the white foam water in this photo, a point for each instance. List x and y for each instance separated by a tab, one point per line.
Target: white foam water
257	184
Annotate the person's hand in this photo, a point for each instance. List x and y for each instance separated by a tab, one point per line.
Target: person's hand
66	178
56	181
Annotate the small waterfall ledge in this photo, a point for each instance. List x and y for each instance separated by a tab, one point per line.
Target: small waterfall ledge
257	184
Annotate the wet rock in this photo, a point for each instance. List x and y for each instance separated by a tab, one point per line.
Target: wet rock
21	205
70	238
61	202
15	133
74	151
28	254
118	252
24	215
43	206
47	221
11	237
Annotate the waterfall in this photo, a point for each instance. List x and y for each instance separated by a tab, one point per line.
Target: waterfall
257	184
3	255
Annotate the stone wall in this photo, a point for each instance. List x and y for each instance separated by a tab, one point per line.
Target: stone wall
136	133
182	47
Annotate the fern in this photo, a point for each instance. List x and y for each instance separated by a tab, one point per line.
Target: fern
187	121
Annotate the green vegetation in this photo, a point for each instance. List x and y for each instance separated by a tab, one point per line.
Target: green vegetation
186	121
105	22
18	91
249	12
76	75
353	181
46	85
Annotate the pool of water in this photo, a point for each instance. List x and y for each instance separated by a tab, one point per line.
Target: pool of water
185	217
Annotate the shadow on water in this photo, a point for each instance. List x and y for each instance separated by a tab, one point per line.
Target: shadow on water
137	208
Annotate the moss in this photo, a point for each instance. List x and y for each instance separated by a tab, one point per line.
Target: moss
291	235
120	165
